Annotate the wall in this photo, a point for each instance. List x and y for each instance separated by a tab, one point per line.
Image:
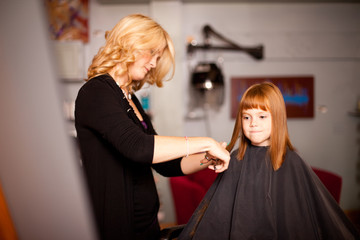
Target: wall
40	177
317	39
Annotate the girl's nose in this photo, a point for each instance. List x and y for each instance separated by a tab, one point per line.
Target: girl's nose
253	123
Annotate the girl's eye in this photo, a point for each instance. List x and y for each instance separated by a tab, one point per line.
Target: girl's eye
263	116
245	117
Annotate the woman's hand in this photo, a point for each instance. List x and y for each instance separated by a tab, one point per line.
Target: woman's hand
218	156
192	150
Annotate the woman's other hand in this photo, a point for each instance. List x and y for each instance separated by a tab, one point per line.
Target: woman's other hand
218	156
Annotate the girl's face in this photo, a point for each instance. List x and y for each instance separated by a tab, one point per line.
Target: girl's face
143	64
257	126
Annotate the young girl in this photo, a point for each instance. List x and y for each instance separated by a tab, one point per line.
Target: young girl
268	192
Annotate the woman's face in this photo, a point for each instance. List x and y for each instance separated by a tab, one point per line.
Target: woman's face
143	64
257	126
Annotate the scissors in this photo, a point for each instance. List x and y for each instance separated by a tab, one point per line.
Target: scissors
216	160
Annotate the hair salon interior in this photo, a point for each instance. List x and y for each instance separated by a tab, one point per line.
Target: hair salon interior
222	46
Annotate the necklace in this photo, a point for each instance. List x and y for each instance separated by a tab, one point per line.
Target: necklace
128	95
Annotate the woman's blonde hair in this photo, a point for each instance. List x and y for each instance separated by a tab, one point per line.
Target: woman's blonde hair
265	96
132	35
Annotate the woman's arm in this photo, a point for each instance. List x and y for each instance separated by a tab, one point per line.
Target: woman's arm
194	163
168	148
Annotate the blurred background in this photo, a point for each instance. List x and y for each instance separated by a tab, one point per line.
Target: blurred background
46	47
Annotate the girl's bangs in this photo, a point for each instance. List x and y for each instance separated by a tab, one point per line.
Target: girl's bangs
255	101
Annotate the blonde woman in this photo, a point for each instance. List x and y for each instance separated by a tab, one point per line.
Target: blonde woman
117	141
268	192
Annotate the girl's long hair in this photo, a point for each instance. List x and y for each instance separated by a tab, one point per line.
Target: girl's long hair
132	35
265	96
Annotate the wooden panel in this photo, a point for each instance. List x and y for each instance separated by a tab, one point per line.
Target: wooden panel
7	230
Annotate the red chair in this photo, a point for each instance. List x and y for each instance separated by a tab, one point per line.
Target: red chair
332	182
188	191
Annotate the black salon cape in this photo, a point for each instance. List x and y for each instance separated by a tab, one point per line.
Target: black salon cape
252	201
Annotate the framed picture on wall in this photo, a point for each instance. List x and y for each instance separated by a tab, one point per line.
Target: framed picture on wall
68	19
298	92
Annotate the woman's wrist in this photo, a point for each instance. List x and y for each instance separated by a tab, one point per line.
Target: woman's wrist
187	146
212	144
205	144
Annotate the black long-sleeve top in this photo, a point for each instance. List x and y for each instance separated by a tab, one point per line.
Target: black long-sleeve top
117	153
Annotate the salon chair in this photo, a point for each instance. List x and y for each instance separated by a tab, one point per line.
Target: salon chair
188	191
332	182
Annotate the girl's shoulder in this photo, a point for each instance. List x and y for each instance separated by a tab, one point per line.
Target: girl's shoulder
292	154
294	160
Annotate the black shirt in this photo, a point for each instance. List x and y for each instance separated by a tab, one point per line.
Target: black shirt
117	153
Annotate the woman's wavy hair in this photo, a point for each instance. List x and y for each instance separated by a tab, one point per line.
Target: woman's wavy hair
265	96
132	35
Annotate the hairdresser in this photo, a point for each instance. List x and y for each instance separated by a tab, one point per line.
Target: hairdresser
117	141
